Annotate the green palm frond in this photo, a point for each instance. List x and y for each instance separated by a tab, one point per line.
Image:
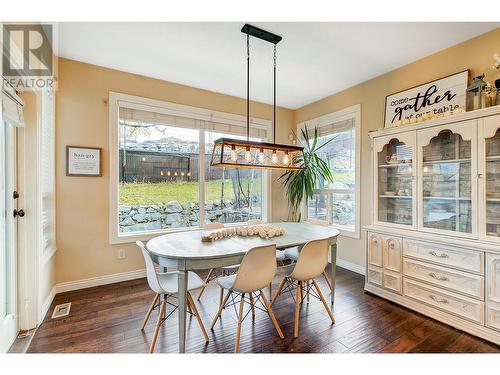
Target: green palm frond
300	184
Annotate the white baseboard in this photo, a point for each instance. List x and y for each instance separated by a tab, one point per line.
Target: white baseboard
46	305
137	274
99	280
351	266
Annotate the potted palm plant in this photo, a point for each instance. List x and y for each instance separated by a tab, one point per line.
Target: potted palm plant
300	184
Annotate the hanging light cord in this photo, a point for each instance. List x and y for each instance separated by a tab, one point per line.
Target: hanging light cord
248	87
274	95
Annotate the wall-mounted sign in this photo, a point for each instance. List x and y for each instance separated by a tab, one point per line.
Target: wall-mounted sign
83	161
438	98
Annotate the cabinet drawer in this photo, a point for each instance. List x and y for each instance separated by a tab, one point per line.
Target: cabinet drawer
392	281
444	277
374	275
462	306
450	256
392	255
375	243
493	315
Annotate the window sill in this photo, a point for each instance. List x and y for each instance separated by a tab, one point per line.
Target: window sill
146	236
348	233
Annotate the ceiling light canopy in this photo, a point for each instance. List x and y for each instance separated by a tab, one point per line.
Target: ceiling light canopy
237	153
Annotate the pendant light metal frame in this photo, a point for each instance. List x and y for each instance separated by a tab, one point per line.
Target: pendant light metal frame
237	153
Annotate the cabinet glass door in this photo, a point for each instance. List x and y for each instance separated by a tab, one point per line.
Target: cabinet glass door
492	184
395	183
446	183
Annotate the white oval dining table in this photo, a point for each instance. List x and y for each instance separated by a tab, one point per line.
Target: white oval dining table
185	252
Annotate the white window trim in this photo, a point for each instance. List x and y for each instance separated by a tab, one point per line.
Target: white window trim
172	109
352	112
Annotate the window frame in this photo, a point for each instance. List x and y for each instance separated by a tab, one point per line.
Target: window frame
354	113
118	99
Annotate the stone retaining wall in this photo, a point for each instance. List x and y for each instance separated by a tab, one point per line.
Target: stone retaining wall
173	214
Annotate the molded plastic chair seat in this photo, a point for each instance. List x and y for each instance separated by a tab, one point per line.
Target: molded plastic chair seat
292	253
256	271
311	263
226	282
168	282
280	255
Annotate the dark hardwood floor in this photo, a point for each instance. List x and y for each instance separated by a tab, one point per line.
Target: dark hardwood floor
106	319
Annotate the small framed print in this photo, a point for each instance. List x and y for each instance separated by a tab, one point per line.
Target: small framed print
83	161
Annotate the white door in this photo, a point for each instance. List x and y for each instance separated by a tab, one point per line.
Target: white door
8	236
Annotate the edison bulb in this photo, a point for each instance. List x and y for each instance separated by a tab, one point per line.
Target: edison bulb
261	157
274	158
234	155
286	159
247	155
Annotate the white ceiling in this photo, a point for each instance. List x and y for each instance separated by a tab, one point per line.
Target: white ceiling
314	59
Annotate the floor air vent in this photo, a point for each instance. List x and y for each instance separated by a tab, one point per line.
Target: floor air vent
61	310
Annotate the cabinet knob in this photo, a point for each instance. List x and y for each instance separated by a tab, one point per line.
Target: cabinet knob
433	253
479	175
438	300
437	277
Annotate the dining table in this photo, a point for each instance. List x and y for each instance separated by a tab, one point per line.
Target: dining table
185	251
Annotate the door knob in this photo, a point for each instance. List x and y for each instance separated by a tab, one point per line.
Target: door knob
19	213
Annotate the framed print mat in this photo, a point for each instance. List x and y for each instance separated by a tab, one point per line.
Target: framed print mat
438	98
83	161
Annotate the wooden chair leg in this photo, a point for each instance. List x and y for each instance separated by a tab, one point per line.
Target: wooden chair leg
158	325
221	297
301	291
327	280
252	305
150	310
207	280
328	310
308	286
270	291
297	305
278	292
240	319
189	308
271	315
197	314
217	316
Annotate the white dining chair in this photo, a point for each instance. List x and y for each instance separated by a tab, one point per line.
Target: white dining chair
212	273
257	270
164	284
310	264
292	253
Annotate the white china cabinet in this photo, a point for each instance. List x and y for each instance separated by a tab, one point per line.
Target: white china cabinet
434	241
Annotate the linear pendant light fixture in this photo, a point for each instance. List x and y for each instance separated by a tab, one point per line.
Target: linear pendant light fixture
237	153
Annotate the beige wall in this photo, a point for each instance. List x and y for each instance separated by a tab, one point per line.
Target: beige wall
82	202
474	54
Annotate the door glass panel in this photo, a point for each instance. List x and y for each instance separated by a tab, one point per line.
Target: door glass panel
395	183
493	185
447	183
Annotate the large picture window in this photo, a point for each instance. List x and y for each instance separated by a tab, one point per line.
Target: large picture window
338	202
163	180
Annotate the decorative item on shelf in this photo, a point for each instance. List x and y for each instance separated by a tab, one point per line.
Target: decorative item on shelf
476	93
236	153
262	230
439	98
391	159
497	92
